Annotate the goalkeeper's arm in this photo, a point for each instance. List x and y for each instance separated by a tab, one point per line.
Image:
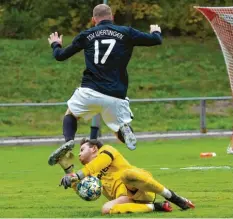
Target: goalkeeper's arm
103	160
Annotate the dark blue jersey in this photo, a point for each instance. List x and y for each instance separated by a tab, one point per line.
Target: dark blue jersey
108	49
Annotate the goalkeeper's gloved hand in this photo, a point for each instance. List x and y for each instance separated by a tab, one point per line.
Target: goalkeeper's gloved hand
68	179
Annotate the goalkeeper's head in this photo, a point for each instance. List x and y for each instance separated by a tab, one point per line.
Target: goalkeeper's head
89	149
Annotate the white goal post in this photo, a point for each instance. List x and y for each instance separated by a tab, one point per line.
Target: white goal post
221	20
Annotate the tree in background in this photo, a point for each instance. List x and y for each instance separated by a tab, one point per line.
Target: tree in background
33	18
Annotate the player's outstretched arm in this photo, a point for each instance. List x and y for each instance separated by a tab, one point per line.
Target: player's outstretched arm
139	38
60	53
155	28
54	38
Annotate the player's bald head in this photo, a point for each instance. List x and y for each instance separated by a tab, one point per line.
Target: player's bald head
102	11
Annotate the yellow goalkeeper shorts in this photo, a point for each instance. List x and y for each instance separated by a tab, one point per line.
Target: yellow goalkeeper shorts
139	196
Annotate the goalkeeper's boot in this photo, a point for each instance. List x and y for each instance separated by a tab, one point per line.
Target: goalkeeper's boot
60	152
182	202
230	149
163	206
129	137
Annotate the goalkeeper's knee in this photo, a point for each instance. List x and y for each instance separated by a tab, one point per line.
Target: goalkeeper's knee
129	176
142	180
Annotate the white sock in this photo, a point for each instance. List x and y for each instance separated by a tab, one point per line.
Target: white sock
166	193
151	206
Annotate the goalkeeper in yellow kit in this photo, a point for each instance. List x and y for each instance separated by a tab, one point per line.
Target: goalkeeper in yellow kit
128	188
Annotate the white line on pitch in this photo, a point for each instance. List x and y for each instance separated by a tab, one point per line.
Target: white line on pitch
193	168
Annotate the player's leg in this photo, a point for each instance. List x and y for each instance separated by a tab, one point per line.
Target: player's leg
94	132
95	127
78	106
69	125
125	117
117	116
124	204
140	196
69	130
67	162
120	136
126	135
136	208
109	205
143	180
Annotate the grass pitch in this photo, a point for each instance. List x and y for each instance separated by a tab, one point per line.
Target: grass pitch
29	187
181	67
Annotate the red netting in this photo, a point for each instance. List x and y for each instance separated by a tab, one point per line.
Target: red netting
221	20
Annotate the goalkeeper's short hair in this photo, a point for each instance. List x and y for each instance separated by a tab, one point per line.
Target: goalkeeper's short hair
91	142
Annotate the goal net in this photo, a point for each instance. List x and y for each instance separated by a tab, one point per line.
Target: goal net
221	20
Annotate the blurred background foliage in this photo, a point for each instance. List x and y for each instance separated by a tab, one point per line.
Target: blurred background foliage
33	19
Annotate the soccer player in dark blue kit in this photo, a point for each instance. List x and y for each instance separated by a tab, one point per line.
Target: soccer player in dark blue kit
108	49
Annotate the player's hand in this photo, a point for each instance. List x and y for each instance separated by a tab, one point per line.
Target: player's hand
68	179
55	38
155	27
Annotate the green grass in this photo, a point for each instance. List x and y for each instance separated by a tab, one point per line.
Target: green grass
29	187
181	67
42	121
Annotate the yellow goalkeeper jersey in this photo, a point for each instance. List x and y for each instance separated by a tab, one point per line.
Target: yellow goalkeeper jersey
108	167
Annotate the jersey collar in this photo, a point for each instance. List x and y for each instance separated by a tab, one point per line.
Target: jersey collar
104	22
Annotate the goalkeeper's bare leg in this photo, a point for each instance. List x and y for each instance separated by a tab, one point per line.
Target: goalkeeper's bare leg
143	180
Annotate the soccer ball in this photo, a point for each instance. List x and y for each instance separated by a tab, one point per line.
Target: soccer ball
89	188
